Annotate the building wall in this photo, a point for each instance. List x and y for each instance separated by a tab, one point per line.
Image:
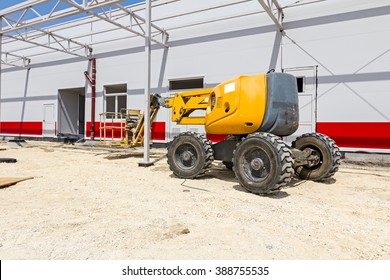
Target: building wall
347	43
344	42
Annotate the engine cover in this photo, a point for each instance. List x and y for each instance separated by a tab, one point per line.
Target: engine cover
282	110
247	104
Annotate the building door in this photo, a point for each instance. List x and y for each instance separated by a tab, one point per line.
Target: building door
48	129
81	121
71	111
307	96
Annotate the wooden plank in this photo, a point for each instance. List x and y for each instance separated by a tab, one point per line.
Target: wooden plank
5	182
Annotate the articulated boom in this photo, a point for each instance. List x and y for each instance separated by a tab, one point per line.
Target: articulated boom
183	104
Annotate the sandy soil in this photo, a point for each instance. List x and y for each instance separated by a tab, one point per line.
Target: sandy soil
89	203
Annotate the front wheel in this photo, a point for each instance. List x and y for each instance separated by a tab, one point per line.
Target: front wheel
325	152
189	155
262	163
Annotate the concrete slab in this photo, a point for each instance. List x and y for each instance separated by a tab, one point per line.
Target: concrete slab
367	158
17	143
90	143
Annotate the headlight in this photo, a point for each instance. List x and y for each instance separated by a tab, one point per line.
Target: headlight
212	100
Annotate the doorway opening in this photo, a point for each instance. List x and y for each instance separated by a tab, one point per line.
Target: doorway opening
71	113
307	83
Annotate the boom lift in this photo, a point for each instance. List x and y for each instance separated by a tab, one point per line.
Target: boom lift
255	112
128	123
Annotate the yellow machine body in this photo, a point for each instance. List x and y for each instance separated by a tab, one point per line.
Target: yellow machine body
242	105
234	106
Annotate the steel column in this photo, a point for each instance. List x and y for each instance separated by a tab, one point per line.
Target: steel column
93	97
148	12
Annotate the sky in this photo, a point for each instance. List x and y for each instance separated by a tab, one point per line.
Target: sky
8	3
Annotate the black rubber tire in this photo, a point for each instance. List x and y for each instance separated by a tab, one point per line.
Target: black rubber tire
189	155
262	163
228	164
328	151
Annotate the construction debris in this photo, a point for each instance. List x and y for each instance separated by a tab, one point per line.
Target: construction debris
8	160
6	182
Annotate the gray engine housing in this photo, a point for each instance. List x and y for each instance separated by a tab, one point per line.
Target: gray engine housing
282	110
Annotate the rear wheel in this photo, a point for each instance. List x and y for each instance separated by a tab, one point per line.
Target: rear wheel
325	152
189	155
262	163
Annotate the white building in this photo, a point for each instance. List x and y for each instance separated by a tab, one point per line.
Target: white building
338	50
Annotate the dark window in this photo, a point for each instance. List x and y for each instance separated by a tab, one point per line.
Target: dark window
300	83
186	84
110	104
119	88
122	102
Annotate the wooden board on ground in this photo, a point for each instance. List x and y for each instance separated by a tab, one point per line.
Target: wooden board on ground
5	182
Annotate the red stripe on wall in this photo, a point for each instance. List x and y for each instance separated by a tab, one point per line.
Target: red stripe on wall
158	131
375	135
110	132
21	128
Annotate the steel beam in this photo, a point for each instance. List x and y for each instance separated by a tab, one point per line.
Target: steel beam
11	59
147	130
269	7
92	7
108	18
48	47
54	14
48	39
136	17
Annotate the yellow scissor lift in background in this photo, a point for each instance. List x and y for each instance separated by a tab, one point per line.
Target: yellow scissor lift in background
128	124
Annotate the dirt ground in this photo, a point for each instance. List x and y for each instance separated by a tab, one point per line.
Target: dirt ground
90	203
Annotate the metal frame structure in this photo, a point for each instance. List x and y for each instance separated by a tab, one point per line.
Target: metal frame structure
269	7
20	29
25	23
14	60
17	28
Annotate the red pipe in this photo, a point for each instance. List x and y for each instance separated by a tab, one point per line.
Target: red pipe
93	86
92	81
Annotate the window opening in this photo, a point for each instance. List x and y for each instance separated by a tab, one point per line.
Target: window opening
116	99
300	83
191	83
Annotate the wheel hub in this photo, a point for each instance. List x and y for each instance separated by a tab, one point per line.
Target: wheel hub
257	164
314	157
186	156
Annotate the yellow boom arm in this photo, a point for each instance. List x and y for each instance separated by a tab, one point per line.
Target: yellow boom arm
183	104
